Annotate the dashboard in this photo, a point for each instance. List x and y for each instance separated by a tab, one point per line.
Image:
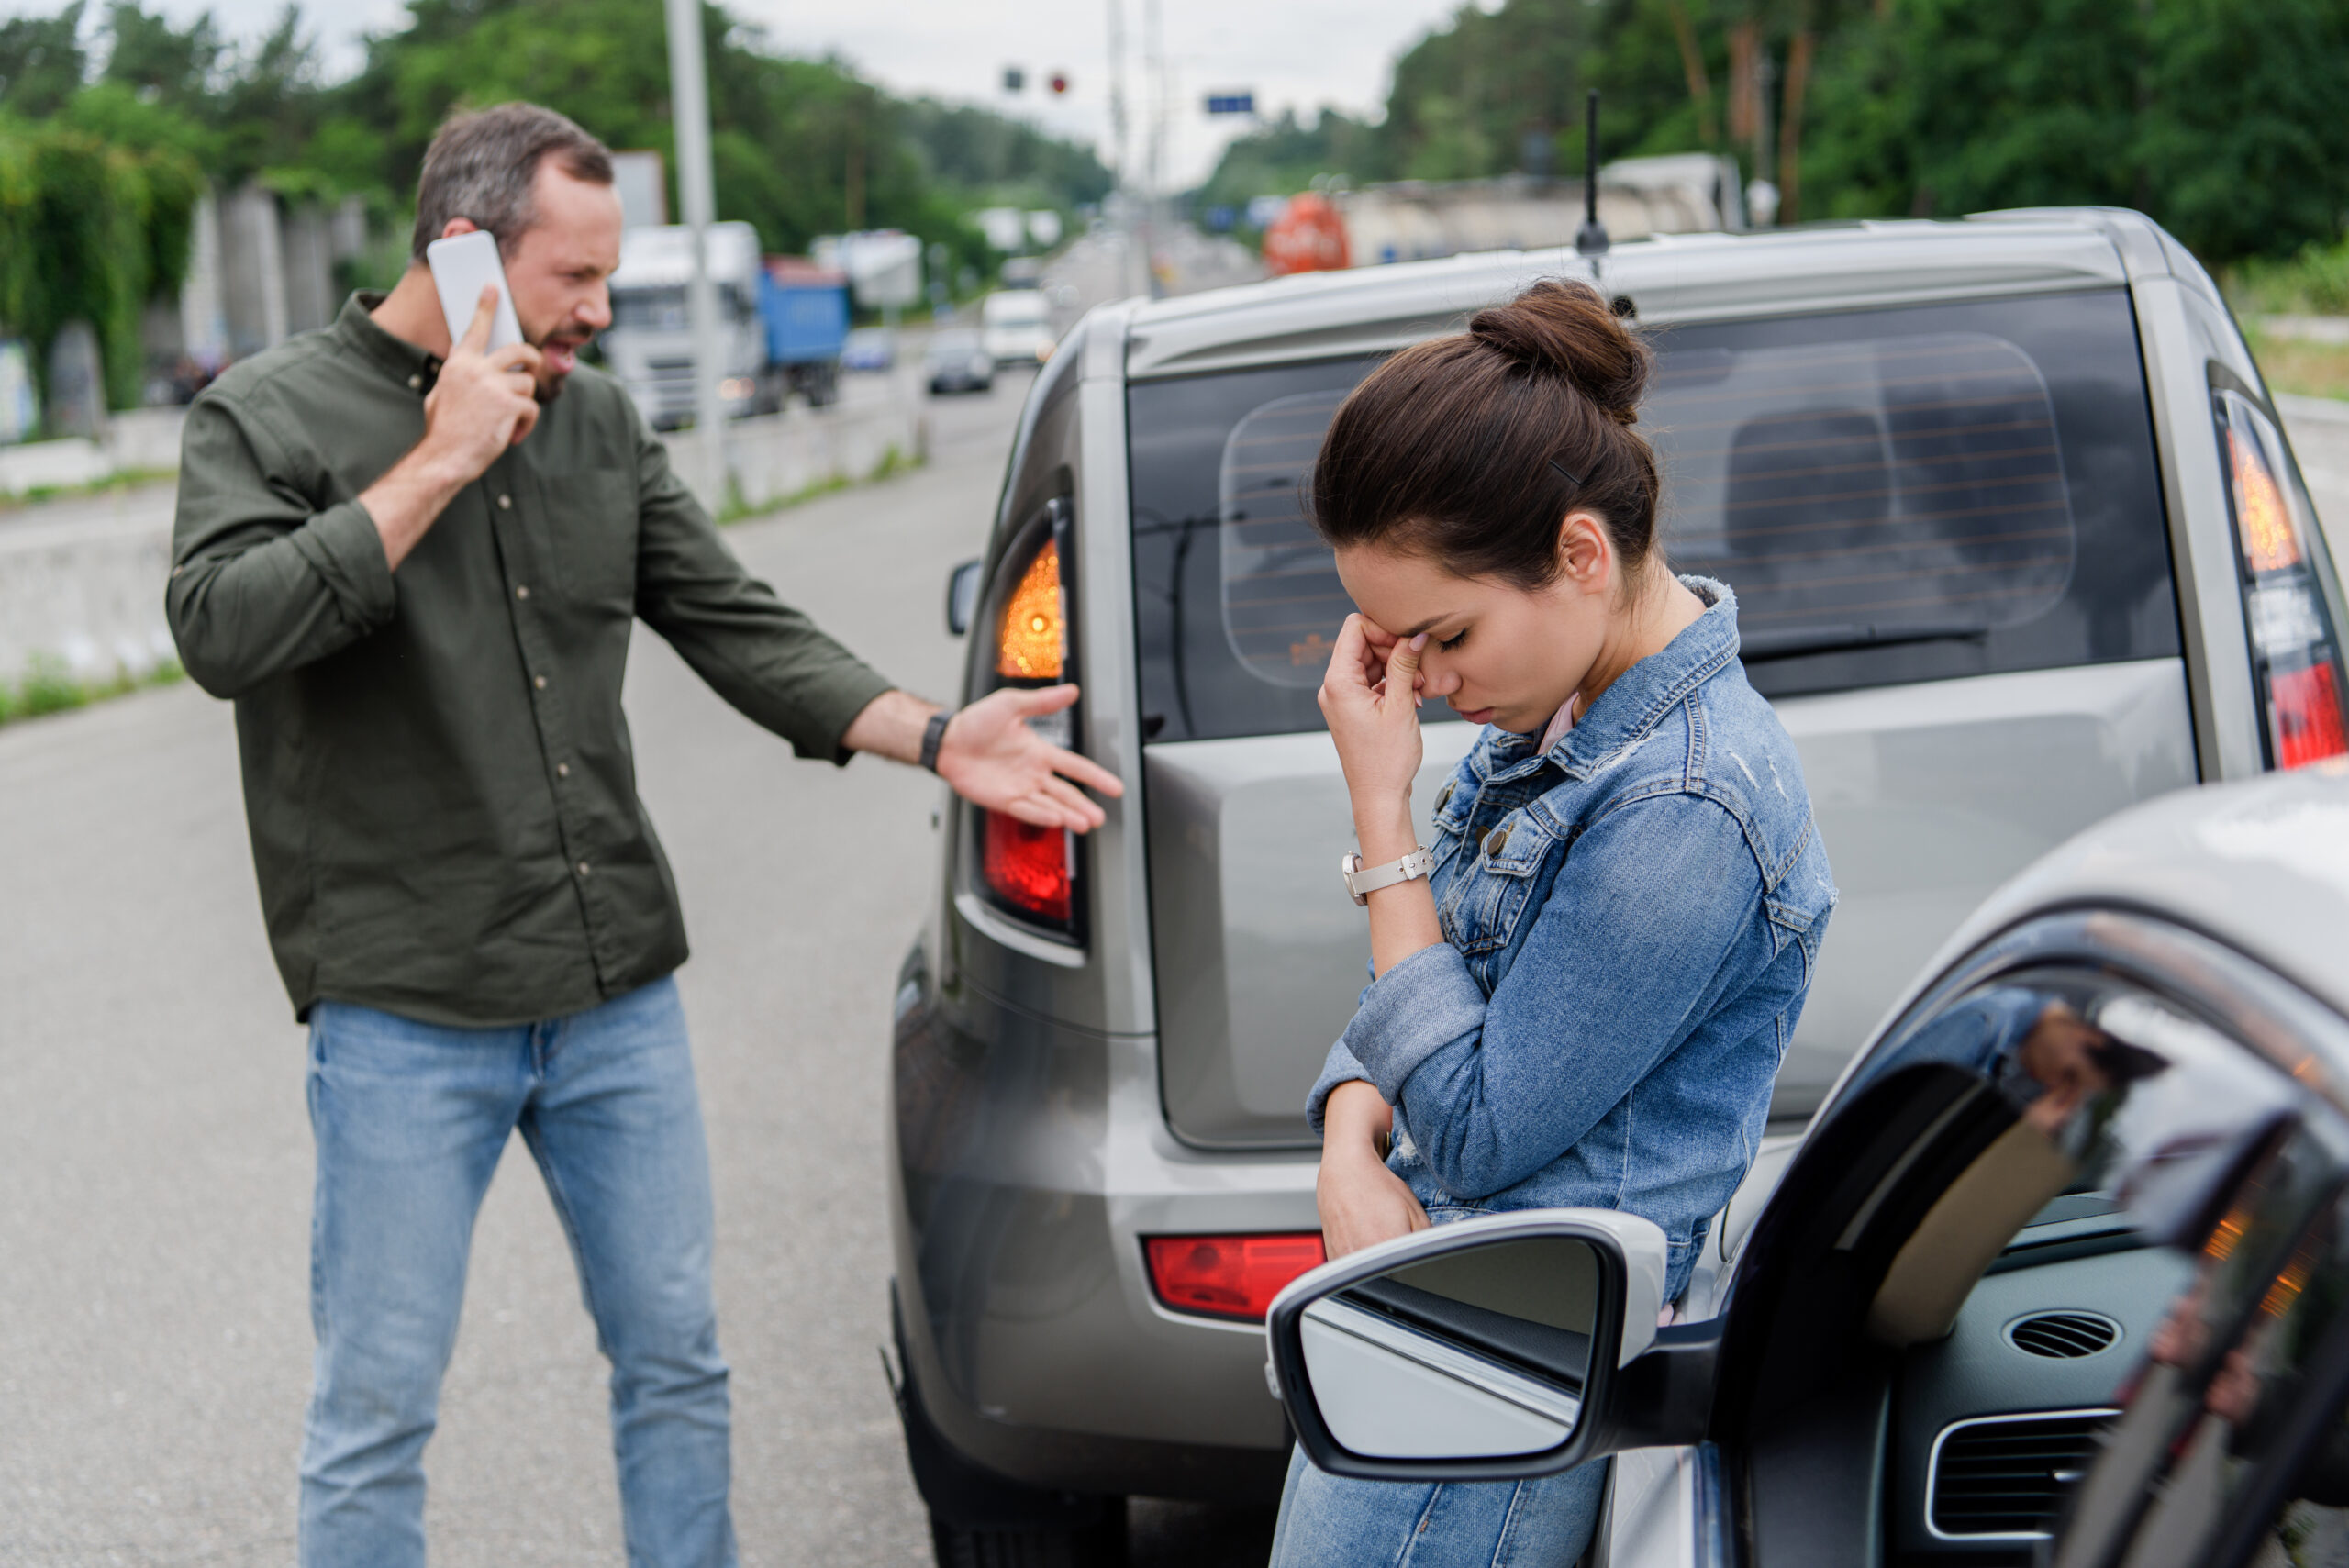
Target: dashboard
1991	1424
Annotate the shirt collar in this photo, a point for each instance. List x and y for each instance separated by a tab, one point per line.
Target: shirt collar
1642	694
395	357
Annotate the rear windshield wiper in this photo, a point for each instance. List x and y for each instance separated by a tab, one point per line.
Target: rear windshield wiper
1791	643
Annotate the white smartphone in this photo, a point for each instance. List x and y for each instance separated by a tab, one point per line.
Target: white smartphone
462	265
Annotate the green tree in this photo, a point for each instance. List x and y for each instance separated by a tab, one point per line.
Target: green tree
1286	156
2240	142
41	62
159	61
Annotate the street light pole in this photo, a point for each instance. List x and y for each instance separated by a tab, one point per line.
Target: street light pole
689	114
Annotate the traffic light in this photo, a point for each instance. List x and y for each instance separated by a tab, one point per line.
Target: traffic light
1059	81
1014	79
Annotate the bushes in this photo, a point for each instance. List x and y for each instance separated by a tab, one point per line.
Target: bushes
89	231
49	688
2314	283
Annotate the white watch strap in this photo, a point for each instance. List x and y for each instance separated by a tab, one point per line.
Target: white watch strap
1362	881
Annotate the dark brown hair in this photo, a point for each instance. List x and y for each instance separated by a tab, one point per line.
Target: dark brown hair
482	166
1454	447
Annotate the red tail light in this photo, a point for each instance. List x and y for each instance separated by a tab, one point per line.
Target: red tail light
1032	872
1028	867
2304	716
1229	1276
2295	650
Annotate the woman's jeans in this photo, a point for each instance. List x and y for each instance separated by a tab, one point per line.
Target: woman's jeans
410	1120
1328	1522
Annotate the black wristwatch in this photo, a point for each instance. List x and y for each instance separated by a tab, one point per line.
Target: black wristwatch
932	735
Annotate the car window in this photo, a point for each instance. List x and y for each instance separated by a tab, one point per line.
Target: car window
2113	1276
1895	496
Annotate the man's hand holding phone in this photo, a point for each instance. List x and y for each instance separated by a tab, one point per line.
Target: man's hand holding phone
485	401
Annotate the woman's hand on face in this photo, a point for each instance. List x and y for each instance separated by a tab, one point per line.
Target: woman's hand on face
1370	699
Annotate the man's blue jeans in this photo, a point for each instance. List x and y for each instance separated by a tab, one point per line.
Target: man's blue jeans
410	1120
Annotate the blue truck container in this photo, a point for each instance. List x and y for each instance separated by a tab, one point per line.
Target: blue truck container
806	310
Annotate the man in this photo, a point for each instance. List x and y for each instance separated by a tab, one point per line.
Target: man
415	565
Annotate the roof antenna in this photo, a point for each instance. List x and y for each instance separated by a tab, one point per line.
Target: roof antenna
1590	241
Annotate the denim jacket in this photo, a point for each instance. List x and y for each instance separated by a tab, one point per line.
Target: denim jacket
1631	920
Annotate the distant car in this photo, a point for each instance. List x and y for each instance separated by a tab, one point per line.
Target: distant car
2058	1273
869	349
1018	326
958	360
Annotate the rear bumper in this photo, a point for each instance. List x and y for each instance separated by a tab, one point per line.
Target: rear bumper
1029	1160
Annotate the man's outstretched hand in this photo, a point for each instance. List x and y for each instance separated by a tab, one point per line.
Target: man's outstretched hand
994	760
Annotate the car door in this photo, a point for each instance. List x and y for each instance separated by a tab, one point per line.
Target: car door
2062	1271
2060	1276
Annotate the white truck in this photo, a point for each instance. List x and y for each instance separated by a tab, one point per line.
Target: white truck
781	324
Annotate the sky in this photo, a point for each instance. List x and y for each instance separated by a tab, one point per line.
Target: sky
1300	53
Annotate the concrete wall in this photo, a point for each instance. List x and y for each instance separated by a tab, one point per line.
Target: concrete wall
204	308
82	579
778	456
252	271
309	268
85	589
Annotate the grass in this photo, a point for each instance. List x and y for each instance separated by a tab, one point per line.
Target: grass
893	461
2290	364
121	479
2315	282
49	688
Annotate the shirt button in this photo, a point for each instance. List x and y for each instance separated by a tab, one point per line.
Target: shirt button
505	503
414	381
540	682
583	867
563	769
521	590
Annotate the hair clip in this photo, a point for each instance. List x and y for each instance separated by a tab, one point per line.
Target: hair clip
1569	475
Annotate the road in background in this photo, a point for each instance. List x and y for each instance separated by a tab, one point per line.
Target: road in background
1104	265
155	1159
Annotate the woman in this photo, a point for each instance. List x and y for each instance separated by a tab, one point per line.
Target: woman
1586	1001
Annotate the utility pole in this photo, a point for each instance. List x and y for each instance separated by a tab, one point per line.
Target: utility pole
1124	167
1153	49
1118	87
689	115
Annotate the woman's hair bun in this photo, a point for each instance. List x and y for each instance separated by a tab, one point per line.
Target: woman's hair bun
1565	328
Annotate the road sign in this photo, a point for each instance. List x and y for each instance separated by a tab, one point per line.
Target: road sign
1231	103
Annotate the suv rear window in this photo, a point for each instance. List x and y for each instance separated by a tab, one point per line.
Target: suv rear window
1895	496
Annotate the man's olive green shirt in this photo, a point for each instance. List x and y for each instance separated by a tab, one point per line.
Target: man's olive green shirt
437	769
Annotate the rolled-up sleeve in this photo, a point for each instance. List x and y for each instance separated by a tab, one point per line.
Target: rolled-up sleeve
769	661
1635	936
260	582
1412	1011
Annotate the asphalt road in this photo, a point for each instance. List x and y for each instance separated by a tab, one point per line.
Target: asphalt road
155	1161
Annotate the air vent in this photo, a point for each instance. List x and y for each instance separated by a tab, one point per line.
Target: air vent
2005	1477
2063	1336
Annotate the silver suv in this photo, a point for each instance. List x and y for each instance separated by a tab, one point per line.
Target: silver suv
2017	540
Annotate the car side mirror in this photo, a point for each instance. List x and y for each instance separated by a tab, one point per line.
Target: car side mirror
1507	1346
962	596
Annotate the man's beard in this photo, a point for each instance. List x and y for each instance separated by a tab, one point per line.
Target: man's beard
549	387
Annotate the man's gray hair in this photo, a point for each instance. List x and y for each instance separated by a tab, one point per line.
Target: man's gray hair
480	166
